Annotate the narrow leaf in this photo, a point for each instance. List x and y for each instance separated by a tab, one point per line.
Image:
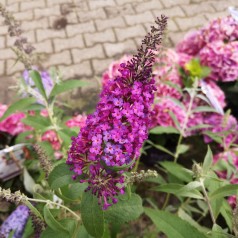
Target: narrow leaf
36	77
164	130
208	160
67	86
183	215
178	171
20	105
176	189
38	122
172	225
204	109
175	120
182	148
213	136
202	126
160	147
227	190
52	222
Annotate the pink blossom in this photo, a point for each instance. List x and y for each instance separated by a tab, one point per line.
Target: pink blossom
224	125
222	58
161	116
165	72
221	29
12	124
192	43
76	121
112	71
52	138
231	157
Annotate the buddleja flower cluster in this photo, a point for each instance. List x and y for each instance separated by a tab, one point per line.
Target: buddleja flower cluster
113	135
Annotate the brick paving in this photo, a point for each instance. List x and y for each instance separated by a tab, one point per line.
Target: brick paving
82	37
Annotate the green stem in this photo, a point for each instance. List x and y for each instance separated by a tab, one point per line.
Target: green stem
182	133
56	204
207	200
136	165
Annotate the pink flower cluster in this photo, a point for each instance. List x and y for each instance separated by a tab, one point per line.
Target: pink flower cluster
230	157
76	121
222	58
216	46
225	126
12	124
112	72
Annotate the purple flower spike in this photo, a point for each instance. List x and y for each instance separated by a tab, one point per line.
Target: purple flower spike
111	140
15	222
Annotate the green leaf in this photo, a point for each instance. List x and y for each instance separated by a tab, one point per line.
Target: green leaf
92	215
22	137
213	136
37	122
73	192
217	232
69	224
176	189
66	138
173	85
29	230
227	213
227	190
182	148
36	77
160	147
47	147
178	171
191	185
52	222
33	209
125	210
20	105
11	234
175	120
172	225
203	126
49	233
204	109
82	233
28	181
66	86
183	215
177	103
207	164
164	130
60	176
36	107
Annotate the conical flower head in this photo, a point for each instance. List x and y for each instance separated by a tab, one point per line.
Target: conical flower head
111	140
